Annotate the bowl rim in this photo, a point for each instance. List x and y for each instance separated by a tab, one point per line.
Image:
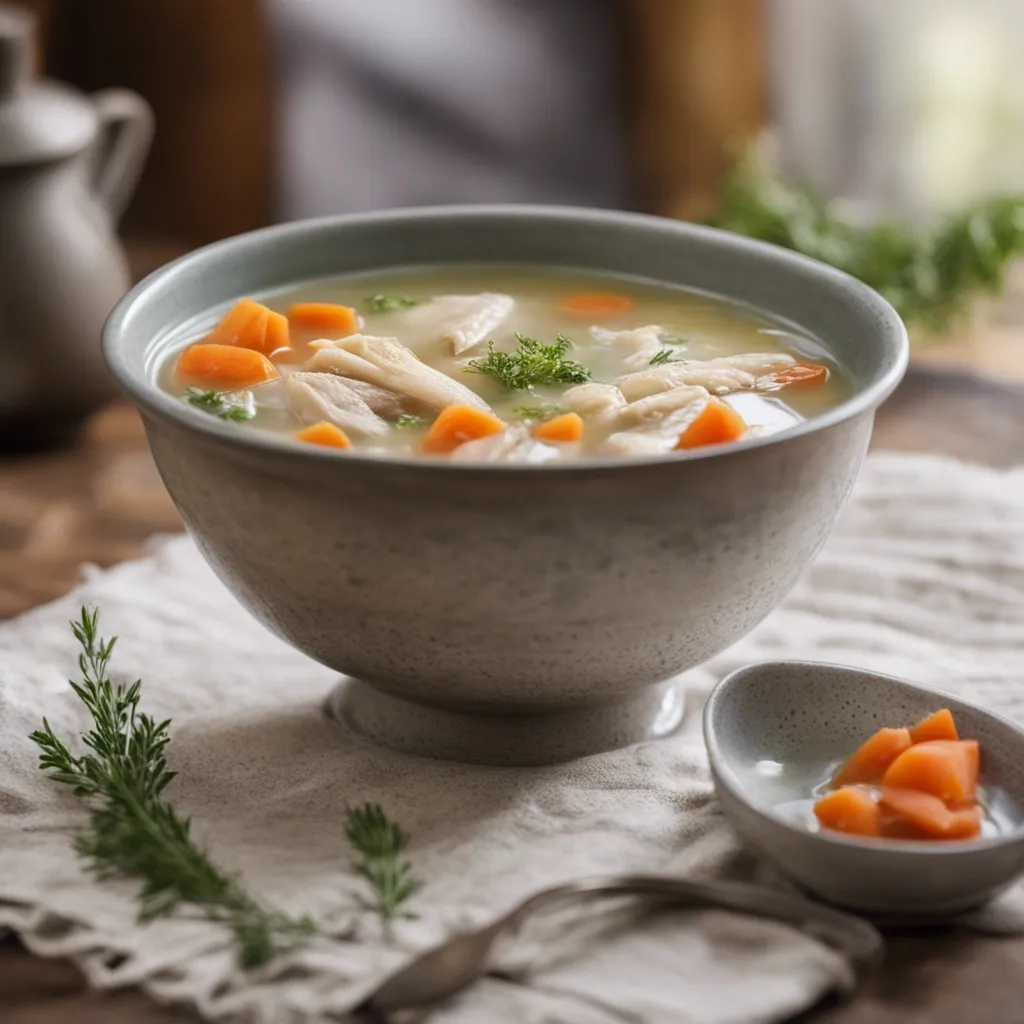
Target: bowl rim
154	400
725	777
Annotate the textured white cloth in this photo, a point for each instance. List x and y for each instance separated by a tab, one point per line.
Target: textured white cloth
924	578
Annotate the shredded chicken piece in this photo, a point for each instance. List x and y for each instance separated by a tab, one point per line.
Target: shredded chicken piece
720	376
388	364
637	346
512	445
655	439
654	409
461	321
592	400
315	397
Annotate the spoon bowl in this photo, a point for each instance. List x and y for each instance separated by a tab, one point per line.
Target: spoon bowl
774	730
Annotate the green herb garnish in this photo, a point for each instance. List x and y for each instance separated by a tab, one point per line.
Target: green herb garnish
216	404
930	274
133	832
379	844
388	303
409	422
533	364
662	357
535	412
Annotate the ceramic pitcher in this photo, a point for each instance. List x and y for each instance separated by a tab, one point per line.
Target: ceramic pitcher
68	166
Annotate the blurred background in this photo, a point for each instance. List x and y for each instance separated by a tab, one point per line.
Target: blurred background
884	137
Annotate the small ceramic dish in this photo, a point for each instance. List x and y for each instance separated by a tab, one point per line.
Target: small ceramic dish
776	729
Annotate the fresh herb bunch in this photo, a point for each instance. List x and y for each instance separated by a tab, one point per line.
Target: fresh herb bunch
388	303
532	364
216	404
929	274
379	844
133	832
407	421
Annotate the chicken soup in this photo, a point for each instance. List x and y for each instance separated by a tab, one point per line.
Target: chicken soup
501	364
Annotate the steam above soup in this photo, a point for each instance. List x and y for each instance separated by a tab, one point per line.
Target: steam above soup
502	365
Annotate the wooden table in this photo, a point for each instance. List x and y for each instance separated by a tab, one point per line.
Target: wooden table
100	501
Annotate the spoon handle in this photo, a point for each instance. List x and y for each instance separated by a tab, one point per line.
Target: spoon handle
457	963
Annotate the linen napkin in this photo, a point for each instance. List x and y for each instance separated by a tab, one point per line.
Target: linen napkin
924	577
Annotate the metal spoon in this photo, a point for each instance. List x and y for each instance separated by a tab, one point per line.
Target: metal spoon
461	960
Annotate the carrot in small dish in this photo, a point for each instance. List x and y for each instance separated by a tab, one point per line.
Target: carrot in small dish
852	810
597	304
224	367
457	424
870	761
326	434
717	423
945	768
323	319
567	427
926	816
939	726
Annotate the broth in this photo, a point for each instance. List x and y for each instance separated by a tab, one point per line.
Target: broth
649	343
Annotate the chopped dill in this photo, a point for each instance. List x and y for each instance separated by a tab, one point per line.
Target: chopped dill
217	404
532	364
409	422
388	303
380	843
535	412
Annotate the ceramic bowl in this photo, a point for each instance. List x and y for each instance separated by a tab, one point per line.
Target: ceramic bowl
775	729
509	614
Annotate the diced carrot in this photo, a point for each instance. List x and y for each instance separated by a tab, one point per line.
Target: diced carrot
567	427
597	304
244	318
323	319
717	423
851	809
939	726
457	424
276	338
917	815
869	762
223	367
946	769
800	373
326	434
922	811
966	823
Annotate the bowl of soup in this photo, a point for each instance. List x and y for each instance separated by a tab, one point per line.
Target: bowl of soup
510	470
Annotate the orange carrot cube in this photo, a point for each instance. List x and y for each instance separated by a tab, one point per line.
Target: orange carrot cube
946	769
458	424
224	367
326	434
568	427
939	726
717	423
323	319
852	810
869	762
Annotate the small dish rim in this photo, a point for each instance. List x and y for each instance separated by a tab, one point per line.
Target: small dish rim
154	401
724	775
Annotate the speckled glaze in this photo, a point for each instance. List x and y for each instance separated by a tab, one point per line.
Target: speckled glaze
498	591
799	712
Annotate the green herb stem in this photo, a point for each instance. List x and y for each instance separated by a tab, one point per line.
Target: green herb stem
133	832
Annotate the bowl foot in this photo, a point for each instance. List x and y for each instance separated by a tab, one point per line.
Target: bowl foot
513	740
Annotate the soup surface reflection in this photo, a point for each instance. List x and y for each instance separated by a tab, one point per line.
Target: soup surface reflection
500	364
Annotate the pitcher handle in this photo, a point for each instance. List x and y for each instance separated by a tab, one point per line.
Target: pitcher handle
126	132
